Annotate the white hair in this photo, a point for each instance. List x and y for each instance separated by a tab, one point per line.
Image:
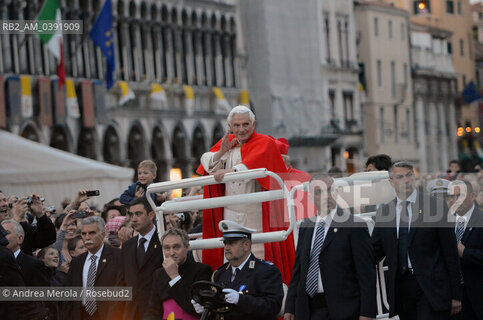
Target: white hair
101	225
241	110
16	226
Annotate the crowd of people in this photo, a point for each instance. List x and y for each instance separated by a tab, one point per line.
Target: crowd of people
435	267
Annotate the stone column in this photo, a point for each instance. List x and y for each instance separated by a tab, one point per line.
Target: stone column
421	136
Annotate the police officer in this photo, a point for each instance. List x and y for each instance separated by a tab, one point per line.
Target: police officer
252	286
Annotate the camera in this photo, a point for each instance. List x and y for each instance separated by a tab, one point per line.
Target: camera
51	209
92	193
180	216
30	201
80	214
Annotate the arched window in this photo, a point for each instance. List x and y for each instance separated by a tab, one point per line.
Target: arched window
136	151
111	148
86	145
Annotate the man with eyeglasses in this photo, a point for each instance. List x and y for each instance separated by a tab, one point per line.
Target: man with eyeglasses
469	235
412	233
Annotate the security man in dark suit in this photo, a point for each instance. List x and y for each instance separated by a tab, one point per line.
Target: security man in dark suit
172	283
334	275
253	286
141	257
98	267
32	270
10	276
469	235
413	233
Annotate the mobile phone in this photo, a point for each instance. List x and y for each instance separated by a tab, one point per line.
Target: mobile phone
92	193
79	214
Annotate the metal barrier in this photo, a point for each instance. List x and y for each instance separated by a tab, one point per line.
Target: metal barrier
198	204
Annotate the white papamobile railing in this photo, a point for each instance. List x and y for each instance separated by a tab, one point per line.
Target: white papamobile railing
198	204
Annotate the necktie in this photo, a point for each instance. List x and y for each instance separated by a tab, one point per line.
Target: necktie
140	251
234	274
403	238
311	282
460	228
91	305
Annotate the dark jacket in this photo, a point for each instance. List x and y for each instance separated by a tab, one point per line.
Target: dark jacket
347	269
128	195
263	292
140	278
10	276
472	262
39	236
108	274
432	251
190	272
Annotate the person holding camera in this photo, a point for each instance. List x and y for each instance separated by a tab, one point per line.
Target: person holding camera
39	236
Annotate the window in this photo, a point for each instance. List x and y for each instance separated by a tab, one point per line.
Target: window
348	106
450	6
327	37
460	10
379	73
393	79
332	103
389	27
450	48
464	80
376	27
405	70
462	47
396	126
403	32
381	123
408	124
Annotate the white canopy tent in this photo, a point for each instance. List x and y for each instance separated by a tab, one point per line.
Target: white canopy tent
28	167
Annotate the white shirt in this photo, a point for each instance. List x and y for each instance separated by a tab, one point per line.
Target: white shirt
16	253
466	218
411	199
148	237
85	271
327	219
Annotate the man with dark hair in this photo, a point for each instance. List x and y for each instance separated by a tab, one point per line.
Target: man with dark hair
172	282
252	286
411	231
378	162
334	275
141	256
469	234
453	171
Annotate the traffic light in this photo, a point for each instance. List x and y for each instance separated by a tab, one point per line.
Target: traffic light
421	6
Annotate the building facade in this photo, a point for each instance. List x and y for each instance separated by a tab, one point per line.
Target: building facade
341	76
384	54
434	87
192	49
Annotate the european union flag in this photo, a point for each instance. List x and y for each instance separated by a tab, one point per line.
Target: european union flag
470	93
102	34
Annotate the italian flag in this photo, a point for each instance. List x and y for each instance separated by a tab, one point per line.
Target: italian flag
51	12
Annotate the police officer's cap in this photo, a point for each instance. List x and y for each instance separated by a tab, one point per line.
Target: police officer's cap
233	231
438	187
